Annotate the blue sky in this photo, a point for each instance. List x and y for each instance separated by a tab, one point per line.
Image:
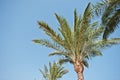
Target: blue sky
20	58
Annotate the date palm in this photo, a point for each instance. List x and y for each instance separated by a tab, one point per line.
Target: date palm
79	44
53	72
110	11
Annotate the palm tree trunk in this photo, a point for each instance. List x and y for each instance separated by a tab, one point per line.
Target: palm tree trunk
79	68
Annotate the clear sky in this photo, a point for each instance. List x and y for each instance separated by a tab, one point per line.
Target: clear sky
20	58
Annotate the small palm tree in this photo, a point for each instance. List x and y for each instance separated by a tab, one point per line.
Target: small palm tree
79	44
110	11
53	72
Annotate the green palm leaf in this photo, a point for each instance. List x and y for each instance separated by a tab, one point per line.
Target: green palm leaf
65	60
65	30
50	32
107	43
111	24
49	44
86	18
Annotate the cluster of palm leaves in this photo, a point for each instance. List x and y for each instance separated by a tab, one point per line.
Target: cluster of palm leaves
53	72
84	40
109	10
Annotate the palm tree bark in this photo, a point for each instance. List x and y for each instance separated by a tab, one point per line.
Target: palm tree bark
79	68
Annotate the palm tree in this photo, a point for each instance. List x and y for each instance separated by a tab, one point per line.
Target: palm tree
53	72
79	44
110	11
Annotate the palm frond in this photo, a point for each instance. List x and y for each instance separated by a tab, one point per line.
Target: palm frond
61	72
64	27
65	60
50	32
46	28
85	63
65	31
49	44
111	24
85	23
107	43
75	20
110	13
86	18
58	53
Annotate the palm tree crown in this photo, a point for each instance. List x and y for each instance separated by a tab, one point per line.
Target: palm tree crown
79	44
53	72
